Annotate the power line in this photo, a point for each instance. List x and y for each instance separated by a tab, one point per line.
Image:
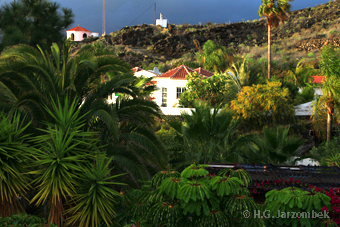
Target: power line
140	15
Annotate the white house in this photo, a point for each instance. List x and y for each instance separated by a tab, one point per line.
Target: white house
78	33
171	84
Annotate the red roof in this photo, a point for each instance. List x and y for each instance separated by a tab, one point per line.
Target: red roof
318	79
79	29
204	72
182	71
151	82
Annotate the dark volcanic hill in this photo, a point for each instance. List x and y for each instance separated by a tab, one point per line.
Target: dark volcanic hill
305	32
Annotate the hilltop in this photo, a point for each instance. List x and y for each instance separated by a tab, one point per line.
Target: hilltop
303	35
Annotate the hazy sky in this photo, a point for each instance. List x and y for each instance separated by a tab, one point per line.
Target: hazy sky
121	13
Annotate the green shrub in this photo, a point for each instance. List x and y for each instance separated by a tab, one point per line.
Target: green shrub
311	55
306	95
334	33
275	47
23	220
327	154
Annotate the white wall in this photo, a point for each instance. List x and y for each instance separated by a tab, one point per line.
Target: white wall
78	35
145	73
95	34
171	86
162	22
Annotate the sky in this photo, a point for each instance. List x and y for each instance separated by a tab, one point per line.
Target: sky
121	13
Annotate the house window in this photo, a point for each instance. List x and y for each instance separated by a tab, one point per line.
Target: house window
164	96
84	36
72	36
179	91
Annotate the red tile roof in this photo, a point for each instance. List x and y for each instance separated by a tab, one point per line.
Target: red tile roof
204	72
79	29
318	79
182	71
151	82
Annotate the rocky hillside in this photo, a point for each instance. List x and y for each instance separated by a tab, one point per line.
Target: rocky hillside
306	32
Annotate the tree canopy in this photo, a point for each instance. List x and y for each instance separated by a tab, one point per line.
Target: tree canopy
261	105
217	90
215	57
33	22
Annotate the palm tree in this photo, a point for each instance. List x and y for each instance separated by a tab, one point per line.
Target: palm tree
63	154
95	199
15	158
275	11
206	136
274	146
215	57
301	74
136	149
31	77
330	63
239	74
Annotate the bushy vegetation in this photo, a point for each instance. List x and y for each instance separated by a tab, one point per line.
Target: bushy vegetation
217	91
261	105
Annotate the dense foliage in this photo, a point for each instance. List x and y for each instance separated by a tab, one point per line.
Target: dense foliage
61	139
196	198
327	153
72	155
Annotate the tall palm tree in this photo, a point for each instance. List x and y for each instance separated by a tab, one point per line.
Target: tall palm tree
330	66
275	11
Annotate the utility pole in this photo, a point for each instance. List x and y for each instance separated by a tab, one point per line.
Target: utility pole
104	33
155	13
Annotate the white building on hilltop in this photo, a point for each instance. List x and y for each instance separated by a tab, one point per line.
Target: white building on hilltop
162	22
79	34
